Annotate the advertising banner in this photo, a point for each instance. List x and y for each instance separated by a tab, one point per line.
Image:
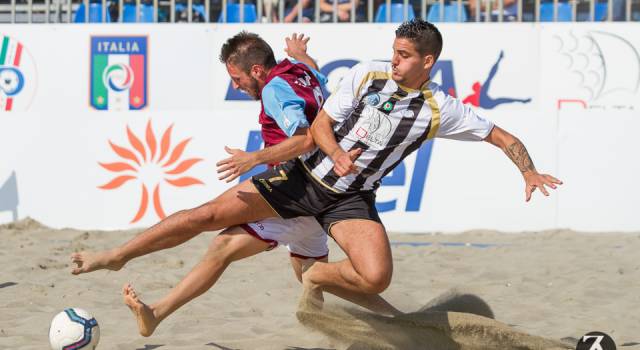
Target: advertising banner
118	126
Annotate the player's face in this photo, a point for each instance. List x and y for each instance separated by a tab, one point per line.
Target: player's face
243	81
409	66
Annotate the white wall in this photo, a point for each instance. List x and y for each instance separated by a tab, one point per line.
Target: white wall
53	140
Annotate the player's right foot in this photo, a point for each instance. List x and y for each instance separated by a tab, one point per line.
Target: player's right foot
147	321
87	262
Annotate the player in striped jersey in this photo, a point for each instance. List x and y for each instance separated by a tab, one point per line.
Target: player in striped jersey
380	113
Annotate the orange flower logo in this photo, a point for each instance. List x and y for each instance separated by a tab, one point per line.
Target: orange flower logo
144	166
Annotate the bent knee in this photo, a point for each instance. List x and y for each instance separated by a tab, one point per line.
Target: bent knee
376	282
218	252
221	241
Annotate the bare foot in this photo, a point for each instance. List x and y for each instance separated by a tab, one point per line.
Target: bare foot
87	262
147	321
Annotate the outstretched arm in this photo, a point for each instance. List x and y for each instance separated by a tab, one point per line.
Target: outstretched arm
240	161
515	150
297	49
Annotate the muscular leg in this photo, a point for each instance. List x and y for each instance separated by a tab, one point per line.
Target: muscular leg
231	245
365	273
240	204
373	302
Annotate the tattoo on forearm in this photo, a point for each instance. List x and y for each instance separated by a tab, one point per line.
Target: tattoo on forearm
519	155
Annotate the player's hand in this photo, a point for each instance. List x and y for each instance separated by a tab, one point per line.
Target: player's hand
535	180
296	45
239	163
343	161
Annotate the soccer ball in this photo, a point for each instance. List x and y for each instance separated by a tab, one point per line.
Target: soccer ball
74	329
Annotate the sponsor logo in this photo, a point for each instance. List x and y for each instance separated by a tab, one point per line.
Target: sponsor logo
480	96
151	164
304	81
118	73
602	70
372	99
362	133
11	81
596	341
374	127
17	76
9	196
407	113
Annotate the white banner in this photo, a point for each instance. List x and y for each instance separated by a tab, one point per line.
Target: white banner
117	126
591	79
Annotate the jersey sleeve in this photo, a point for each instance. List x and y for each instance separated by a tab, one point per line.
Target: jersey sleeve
322	79
284	106
345	99
459	122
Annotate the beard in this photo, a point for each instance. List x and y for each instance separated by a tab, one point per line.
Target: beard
253	90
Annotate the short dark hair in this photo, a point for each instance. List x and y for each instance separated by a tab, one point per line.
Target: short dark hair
247	49
423	34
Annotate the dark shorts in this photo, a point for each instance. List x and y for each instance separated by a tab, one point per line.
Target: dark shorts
292	191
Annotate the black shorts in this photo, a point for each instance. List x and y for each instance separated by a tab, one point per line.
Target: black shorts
292	191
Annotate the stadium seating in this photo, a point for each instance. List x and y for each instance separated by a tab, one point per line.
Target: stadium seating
397	13
233	13
450	13
600	13
196	8
564	13
95	14
129	13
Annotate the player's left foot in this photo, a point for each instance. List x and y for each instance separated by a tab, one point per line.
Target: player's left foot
147	321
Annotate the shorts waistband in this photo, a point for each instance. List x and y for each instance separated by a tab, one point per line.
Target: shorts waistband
315	178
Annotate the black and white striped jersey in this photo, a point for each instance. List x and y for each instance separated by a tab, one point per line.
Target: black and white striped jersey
388	122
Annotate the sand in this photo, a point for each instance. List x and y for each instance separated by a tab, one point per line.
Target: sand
544	289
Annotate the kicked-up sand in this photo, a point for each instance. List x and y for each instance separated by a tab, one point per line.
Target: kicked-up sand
435	326
474	290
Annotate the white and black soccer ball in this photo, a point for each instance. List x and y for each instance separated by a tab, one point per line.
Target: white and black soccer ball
74	329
